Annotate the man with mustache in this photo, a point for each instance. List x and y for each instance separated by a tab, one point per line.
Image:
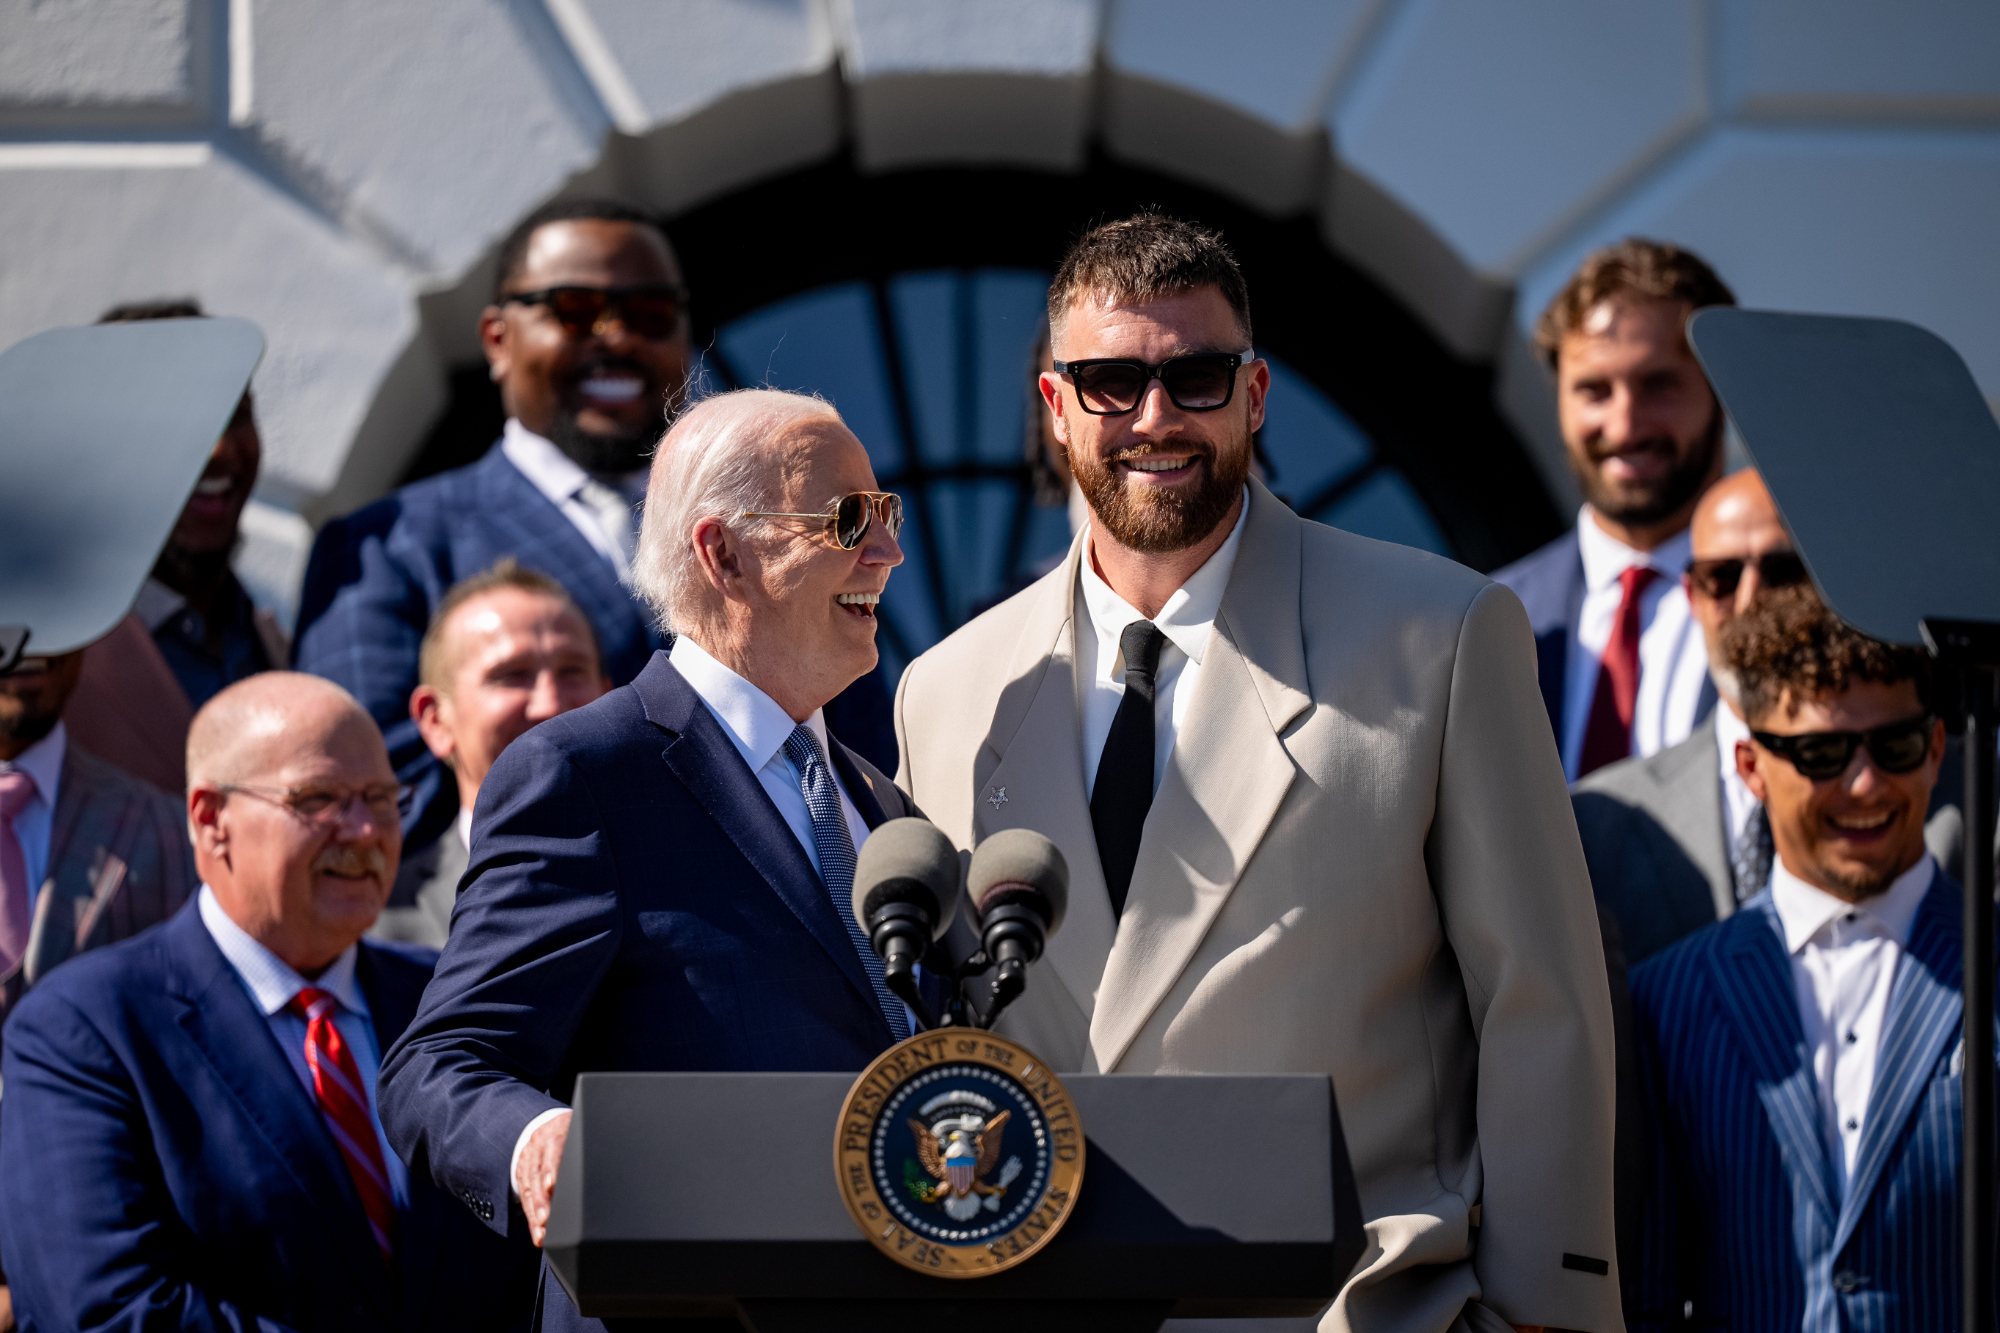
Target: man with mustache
662	879
588	339
1313	819
190	1133
1622	666
1803	1057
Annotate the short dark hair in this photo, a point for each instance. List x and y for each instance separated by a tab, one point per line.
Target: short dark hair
1790	647
1634	268
134	312
1142	258
514	250
506	572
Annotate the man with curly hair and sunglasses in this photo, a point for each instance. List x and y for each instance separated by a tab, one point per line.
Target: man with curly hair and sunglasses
1803	1056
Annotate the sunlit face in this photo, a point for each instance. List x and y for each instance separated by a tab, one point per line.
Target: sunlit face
809	605
517	658
1741	523
308	889
208	521
600	394
1158	478
1642	428
1850	835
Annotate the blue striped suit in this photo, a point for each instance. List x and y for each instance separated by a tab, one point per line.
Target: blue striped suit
1743	1218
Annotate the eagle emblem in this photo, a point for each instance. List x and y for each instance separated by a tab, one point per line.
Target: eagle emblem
959	1152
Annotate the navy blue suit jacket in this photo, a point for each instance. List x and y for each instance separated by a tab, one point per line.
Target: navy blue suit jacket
162	1167
1742	1216
634	901
375	577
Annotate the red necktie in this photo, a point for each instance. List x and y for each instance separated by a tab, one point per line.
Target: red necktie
16	790
344	1105
1608	737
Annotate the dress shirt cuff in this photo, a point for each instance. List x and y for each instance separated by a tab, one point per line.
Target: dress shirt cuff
514	1162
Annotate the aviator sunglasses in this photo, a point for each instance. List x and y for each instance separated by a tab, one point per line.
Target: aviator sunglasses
848	519
650	310
1719	578
1896	747
1113	386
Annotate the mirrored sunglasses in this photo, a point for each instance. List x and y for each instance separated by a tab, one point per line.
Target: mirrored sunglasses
848	519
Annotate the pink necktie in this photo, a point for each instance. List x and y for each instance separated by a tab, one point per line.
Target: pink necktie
16	790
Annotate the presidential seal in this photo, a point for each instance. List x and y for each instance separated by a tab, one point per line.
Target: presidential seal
958	1153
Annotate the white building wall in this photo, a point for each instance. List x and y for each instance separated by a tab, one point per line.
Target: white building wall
335	169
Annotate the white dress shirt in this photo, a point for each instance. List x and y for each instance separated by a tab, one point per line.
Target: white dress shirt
1673	660
272	984
559	477
758	728
1737	802
1187	620
34	827
1844	958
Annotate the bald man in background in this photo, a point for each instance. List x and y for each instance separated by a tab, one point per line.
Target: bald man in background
1675	840
191	1136
506	650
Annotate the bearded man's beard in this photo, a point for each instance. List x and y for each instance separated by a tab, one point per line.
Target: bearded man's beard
1652	502
607	454
1157	519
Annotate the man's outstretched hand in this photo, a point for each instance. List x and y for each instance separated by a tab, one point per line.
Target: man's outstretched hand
535	1173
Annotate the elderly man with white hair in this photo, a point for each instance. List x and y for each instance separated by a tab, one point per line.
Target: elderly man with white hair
660	880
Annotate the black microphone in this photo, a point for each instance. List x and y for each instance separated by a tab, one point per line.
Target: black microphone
905	896
1019	886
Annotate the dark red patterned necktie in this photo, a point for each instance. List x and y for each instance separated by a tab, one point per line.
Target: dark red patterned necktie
343	1103
1608	737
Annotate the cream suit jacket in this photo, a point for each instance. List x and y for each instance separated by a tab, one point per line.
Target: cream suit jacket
1361	862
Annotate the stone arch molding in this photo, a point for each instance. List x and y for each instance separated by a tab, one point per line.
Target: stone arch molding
339	170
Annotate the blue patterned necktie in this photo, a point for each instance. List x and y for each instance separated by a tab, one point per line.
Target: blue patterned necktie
836	862
1750	858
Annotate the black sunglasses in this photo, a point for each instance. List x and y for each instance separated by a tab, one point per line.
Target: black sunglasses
847	521
1113	386
651	310
1896	747
1719	578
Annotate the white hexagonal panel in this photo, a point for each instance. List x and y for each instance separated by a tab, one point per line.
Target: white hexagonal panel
1497	124
131	55
1848	59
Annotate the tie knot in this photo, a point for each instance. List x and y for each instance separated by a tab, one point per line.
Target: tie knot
16	790
1635	578
802	748
311	1002
1141	644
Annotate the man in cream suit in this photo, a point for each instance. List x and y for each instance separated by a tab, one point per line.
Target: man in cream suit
1311	806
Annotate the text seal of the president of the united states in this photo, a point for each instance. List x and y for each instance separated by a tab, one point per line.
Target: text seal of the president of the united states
959	1153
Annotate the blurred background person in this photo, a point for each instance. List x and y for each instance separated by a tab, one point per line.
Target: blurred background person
506	649
1676	840
190	1132
1622	666
1802	1056
88	854
193	630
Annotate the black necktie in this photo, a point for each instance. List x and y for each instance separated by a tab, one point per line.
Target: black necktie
1124	790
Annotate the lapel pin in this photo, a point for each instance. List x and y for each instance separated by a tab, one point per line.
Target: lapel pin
998	798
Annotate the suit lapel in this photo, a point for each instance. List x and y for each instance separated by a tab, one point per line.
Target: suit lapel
859	789
1692	797
701	756
84	878
393	987
1753	980
1227	776
1552	641
1925	1003
1033	779
218	1016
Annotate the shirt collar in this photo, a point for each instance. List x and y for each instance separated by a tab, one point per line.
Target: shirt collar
43	762
157	604
752	720
1805	909
1605	557
554	473
1189	615
271	981
465	826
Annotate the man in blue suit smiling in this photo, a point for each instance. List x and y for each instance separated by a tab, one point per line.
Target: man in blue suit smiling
1803	1056
660	880
190	1138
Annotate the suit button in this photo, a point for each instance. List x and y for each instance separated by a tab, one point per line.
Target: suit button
1847	1281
